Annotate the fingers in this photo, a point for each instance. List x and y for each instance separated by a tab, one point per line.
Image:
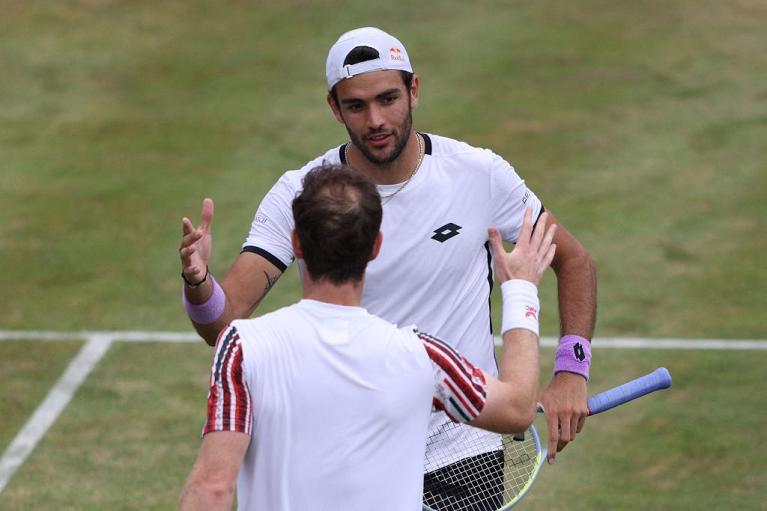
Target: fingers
539	231
192	253
564	433
191	235
188	246
496	243
186	226
581	423
206	215
574	426
527	229
552	420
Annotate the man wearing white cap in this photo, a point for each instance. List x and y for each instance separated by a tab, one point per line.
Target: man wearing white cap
439	196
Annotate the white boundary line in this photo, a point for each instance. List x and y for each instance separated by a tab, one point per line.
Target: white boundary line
114	335
191	337
54	403
664	344
98	343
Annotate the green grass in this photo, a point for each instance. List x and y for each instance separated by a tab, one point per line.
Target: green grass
644	137
693	444
29	369
640	124
127	440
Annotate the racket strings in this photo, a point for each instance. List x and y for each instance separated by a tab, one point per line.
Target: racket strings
483	482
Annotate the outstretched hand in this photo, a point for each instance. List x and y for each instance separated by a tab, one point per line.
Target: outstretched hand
532	254
196	244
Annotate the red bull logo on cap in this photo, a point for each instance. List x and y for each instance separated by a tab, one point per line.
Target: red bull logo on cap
396	54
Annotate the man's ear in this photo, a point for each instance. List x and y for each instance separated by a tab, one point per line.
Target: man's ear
376	246
334	107
414	89
296	244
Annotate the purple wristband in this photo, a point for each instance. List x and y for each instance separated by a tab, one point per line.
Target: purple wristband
573	356
210	310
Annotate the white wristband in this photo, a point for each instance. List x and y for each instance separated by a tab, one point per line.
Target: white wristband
520	305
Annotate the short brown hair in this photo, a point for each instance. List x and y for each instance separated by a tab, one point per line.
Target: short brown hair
337	215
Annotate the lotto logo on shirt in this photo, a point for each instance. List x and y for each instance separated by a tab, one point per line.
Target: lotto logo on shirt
396	54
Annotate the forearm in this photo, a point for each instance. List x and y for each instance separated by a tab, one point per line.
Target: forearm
212	306
520	360
520	369
204	497
577	294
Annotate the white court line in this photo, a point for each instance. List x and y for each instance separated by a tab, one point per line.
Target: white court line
191	337
99	342
49	410
114	335
664	344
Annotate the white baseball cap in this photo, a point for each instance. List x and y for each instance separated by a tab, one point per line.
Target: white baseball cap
391	54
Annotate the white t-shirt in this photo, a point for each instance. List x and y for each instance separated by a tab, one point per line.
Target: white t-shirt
337	402
435	265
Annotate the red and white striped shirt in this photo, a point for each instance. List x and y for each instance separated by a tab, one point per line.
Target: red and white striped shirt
229	404
337	403
459	387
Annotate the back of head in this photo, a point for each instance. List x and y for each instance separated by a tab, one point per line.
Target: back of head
337	216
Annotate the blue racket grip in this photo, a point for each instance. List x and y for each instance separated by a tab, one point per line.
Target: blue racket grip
656	380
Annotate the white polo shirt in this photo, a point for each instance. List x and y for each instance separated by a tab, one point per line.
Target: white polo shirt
435	268
337	402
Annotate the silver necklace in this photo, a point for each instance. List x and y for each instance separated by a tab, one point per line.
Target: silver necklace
387	198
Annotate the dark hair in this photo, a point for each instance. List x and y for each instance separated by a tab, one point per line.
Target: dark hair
337	216
363	54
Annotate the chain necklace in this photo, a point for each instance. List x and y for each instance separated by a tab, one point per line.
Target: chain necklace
387	198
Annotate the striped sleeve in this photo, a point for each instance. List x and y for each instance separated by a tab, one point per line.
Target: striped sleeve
229	404
460	388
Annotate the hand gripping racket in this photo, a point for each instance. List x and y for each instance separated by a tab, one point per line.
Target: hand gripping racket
505	469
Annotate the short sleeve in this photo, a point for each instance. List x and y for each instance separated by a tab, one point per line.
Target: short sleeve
229	403
269	234
460	389
510	196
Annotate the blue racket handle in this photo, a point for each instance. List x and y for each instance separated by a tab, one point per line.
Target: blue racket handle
656	380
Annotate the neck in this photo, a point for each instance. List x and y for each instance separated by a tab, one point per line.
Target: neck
397	171
348	293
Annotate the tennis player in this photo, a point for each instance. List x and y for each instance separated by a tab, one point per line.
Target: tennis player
321	405
439	196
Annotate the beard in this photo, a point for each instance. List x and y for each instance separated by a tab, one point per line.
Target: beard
399	144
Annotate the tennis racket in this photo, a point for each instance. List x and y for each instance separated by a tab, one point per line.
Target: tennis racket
500	476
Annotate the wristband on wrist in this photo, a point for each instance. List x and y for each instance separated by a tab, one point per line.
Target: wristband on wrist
210	310
520	305
196	284
573	355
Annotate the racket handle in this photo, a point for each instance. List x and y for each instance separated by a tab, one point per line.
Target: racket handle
656	380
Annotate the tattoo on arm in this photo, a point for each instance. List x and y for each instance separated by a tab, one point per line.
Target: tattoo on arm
270	281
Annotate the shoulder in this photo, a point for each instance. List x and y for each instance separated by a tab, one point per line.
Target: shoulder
462	154
445	147
251	328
